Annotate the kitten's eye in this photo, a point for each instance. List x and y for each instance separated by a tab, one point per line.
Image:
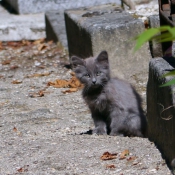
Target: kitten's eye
98	73
87	75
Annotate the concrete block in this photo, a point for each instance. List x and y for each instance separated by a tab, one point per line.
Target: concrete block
22	27
37	6
156	48
55	27
160	107
107	27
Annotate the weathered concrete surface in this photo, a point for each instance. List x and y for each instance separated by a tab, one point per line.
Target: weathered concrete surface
41	135
156	48
21	27
160	108
38	6
107	27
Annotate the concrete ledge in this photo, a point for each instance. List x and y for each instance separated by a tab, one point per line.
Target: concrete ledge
22	27
160	108
38	6
107	27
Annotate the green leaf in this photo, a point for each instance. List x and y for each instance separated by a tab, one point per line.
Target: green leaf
164	28
167	33
172	31
169	83
172	73
163	37
145	36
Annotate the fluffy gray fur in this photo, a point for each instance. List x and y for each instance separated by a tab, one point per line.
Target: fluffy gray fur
115	105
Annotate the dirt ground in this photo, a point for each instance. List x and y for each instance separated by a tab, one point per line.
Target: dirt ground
41	124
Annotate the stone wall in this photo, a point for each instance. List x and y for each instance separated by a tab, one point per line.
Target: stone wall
160	108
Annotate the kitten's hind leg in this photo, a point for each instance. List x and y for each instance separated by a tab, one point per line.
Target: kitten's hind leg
114	133
137	133
133	125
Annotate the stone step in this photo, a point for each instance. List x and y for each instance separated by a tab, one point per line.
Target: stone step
55	27
22	27
38	6
15	27
108	27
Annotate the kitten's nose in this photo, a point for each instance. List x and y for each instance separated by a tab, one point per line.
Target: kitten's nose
93	80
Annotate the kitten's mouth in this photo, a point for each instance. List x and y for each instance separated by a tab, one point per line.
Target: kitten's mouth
95	86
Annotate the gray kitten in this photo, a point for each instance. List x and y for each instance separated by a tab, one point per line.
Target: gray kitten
115	105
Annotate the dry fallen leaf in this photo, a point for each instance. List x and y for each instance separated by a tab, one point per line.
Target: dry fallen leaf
42	47
26	42
74	84
5	62
13	44
16	82
23	169
59	83
14	67
20	170
15	129
1	45
37	94
38	75
131	158
124	154
110	166
17	44
41	66
50	42
39	41
70	90
108	156
17	132
135	163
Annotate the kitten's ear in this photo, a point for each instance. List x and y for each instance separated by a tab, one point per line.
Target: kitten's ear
102	57
76	61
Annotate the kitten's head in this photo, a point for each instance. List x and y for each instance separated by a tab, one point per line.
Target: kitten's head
93	72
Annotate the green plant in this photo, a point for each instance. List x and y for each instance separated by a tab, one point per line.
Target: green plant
160	34
166	33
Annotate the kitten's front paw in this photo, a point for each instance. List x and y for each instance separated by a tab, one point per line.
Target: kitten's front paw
99	131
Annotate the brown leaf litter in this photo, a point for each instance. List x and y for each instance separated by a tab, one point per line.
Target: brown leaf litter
73	84
38	75
110	166
108	156
16	82
124	154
